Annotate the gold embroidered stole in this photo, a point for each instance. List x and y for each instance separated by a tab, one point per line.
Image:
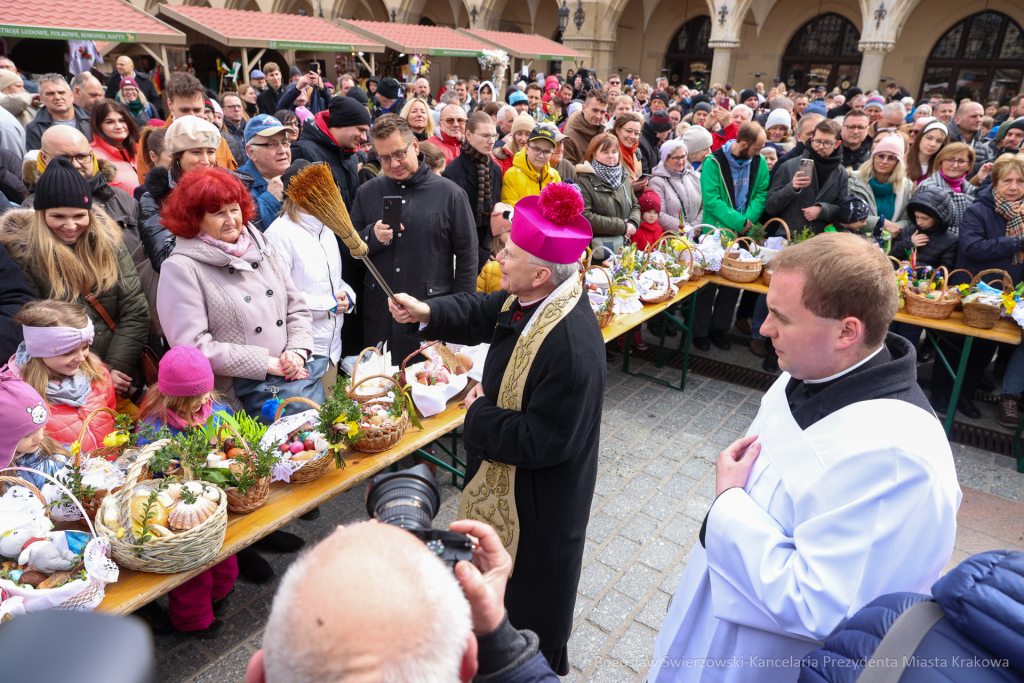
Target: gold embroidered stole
491	496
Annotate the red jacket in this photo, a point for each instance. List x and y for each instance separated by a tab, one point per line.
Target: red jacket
66	422
728	133
127	170
447	144
646	234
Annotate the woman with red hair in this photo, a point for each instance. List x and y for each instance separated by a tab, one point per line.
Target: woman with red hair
224	290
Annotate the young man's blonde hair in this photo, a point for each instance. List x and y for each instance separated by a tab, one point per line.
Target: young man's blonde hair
845	276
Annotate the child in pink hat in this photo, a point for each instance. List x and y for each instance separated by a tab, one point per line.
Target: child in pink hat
23	440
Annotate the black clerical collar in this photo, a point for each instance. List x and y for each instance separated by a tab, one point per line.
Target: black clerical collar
800	391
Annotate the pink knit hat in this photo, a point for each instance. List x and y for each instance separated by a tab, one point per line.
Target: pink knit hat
185	371
891	144
24	412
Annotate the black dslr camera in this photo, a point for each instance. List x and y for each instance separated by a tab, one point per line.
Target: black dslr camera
410	500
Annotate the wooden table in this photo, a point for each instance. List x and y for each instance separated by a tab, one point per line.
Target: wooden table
623	323
1004	331
287	501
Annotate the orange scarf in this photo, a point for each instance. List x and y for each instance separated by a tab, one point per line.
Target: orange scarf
628	155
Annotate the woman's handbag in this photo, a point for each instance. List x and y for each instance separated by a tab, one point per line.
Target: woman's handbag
149	361
253	393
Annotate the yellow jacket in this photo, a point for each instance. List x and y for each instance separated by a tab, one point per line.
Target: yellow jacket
489	279
522	180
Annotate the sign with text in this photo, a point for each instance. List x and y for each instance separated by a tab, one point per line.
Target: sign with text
298	45
65	34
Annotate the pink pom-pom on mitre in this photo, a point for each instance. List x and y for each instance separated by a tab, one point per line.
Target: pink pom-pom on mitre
561	203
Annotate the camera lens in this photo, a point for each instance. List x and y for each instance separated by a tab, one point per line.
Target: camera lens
408	499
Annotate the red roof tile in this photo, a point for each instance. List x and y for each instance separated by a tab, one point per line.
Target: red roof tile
434	40
242	28
527	45
107	20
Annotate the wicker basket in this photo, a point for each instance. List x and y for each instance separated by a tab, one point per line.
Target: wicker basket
92	504
740	271
380	439
9	480
314	469
789	235
605	318
255	497
187	550
696	271
667	294
364	397
985	316
590	257
932	309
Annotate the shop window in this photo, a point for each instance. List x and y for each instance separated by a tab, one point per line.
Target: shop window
978	58
688	58
823	52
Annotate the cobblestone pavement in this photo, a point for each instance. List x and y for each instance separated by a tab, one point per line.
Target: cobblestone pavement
655	484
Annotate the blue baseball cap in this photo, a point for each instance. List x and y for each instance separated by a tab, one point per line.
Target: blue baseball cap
517	96
256	73
263	125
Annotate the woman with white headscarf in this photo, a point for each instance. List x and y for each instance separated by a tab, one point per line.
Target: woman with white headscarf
677	183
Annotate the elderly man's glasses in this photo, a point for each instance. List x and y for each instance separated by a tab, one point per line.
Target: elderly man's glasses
452	121
857	129
284	144
386	160
80	159
506	255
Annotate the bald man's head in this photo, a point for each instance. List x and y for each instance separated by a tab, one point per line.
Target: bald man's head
86	90
125	65
370	603
67	142
422	88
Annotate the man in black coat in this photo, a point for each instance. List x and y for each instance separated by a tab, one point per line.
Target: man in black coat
539	426
464	171
126	69
416	256
268	99
14	293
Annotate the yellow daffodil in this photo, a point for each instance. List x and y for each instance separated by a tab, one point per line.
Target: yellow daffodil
1009	302
76	449
353	428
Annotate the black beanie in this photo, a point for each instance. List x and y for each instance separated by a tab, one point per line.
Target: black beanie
286	177
853	92
358	94
747	94
853	209
62	187
345	111
698	98
388	87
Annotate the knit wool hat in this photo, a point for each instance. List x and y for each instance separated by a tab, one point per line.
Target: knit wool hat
523	122
346	111
24	412
191	132
185	371
294	71
878	102
660	122
746	95
779	117
853	209
650	201
128	82
696	138
7	79
702	106
661	97
357	94
890	144
62	187
388	87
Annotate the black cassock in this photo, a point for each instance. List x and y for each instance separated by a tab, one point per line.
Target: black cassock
552	441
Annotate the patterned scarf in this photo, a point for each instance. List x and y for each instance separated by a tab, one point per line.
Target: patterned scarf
1013	212
240	246
611	175
483	179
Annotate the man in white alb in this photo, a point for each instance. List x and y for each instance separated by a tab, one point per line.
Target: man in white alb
842	490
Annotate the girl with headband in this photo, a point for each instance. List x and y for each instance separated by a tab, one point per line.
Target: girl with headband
55	360
72	251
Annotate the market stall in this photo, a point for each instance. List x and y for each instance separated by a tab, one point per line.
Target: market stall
291	38
110	22
421	51
529	48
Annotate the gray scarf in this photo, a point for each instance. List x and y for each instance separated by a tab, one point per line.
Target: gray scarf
70	391
611	175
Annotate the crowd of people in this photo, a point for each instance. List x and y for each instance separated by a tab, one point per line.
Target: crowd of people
154	229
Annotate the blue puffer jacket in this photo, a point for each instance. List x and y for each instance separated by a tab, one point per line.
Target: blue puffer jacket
981	638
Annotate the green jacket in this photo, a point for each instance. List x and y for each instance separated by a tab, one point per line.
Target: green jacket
719	209
605	208
125	302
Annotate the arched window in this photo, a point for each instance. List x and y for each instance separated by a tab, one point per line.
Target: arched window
688	57
823	53
981	57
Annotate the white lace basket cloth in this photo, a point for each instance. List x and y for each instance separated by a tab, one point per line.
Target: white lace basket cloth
83	595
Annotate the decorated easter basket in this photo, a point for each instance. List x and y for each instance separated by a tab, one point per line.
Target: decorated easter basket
254	498
367	394
605	315
737	270
767	253
313	469
76	594
92	503
380	438
984	316
184	551
667	294
939	307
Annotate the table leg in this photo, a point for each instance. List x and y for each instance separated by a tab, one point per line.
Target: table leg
440	463
1016	446
958	382
683	348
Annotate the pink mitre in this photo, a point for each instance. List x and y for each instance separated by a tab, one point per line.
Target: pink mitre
551	226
